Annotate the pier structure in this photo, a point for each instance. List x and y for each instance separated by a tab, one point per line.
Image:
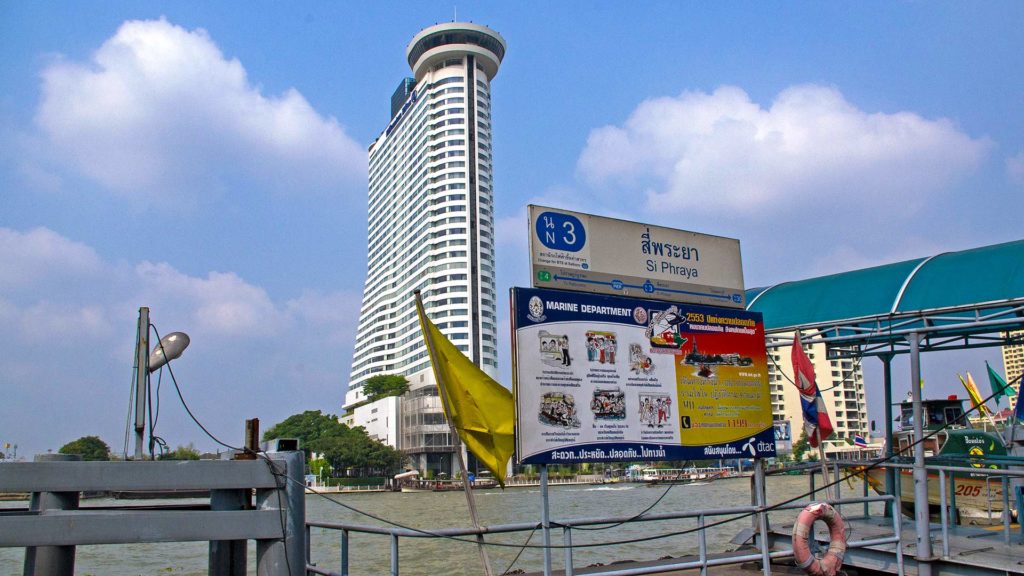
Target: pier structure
56	522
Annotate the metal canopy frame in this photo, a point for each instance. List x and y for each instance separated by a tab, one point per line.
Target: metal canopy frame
954	328
886	335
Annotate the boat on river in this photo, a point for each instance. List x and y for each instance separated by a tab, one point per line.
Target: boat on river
950	440
411	482
662	476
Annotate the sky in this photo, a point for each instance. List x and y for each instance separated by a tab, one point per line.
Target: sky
208	160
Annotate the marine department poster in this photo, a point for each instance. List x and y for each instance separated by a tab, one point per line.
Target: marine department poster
606	378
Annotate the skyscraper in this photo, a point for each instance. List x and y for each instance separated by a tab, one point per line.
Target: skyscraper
431	228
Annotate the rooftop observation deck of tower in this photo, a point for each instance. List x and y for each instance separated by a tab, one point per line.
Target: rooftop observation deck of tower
439	42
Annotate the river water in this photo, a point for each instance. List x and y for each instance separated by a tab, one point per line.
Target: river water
433	510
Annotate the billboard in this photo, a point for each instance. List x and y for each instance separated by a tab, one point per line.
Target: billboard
783	436
585	253
604	378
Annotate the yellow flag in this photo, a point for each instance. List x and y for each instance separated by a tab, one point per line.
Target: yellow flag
972	391
480	408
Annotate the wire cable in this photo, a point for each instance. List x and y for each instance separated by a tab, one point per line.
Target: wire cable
732	518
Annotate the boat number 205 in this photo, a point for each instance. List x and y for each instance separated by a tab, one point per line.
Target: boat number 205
965	490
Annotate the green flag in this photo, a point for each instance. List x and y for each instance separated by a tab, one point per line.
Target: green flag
999	387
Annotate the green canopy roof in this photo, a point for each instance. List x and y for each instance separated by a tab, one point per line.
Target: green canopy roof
983	285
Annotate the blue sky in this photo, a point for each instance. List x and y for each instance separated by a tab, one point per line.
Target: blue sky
209	160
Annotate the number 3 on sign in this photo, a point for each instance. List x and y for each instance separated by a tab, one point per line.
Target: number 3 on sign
558	231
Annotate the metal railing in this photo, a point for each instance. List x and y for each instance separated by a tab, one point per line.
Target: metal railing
704	560
947	488
54	524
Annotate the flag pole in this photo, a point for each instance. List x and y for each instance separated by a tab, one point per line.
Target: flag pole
824	465
456	441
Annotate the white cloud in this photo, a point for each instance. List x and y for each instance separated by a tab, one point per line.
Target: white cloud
159	110
1015	168
69	326
28	257
221	303
705	153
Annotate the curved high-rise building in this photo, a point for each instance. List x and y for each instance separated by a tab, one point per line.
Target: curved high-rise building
431	228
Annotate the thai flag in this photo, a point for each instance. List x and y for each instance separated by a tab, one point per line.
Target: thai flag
859	441
816	420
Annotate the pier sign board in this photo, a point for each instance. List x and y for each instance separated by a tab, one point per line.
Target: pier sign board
601	378
586	253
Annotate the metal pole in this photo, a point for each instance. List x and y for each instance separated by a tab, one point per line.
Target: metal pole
545	518
1006	510
284	555
890	473
394	554
703	543
51	560
344	552
924	541
228	557
944	514
457	444
567	541
897	527
762	516
141	379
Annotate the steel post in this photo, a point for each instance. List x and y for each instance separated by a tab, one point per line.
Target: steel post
545	518
344	552
944	513
890	473
762	516
703	542
141	380
567	541
394	555
52	560
284	555
228	557
924	541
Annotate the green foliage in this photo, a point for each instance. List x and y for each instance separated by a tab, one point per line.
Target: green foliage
89	447
309	427
384	385
801	446
181	453
343	448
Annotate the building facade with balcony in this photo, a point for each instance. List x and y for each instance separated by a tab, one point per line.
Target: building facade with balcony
430	228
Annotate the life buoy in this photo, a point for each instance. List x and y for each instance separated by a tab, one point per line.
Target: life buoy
803	531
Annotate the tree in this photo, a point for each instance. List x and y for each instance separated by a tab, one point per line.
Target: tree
802	445
181	453
343	447
309	427
384	385
89	447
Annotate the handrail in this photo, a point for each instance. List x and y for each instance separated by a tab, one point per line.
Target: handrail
54	524
567	525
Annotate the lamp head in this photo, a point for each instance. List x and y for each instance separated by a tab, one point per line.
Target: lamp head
169	348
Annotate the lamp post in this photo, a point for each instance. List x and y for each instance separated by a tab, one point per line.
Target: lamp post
169	348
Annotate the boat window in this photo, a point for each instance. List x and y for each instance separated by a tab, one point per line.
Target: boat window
955	415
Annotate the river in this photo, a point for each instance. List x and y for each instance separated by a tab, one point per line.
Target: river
433	510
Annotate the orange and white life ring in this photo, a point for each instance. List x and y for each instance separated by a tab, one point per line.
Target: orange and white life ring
803	531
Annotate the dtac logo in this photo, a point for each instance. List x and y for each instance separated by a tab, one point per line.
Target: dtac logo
558	231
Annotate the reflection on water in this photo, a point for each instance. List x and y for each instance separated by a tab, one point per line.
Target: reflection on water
433	510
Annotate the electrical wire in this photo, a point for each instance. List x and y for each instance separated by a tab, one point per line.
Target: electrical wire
131	397
837	385
522	547
633	518
280	477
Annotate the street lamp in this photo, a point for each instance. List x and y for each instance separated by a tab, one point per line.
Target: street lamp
169	348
